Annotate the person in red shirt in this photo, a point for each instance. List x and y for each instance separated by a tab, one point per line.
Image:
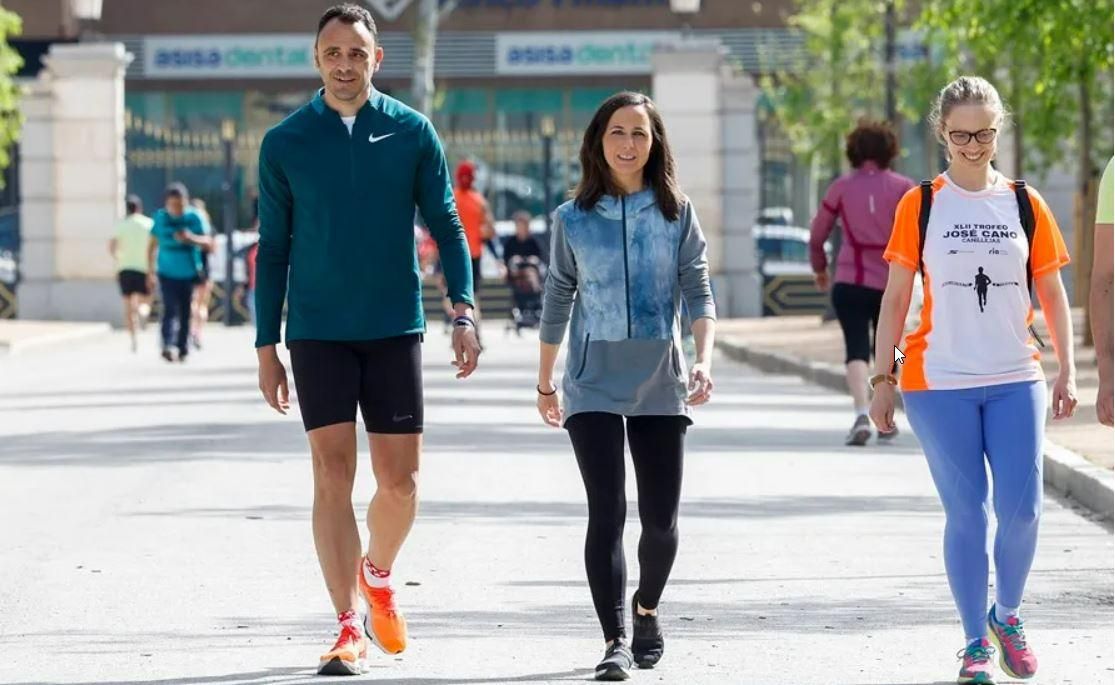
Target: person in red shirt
476	217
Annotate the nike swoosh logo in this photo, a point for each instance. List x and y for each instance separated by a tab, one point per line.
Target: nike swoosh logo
396	418
375	139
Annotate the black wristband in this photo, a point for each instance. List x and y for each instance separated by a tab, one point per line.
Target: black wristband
464	321
546	394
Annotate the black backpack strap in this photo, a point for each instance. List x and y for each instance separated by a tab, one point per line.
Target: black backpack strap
923	220
1026	217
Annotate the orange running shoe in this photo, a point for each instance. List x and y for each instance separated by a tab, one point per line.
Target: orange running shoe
384	624
347	656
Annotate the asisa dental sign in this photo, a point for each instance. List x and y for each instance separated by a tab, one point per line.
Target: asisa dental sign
271	56
584	52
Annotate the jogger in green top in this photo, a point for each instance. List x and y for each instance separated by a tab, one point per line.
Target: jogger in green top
339	180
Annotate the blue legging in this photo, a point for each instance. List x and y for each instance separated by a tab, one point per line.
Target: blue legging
957	428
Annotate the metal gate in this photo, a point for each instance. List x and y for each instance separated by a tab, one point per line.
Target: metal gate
9	262
158	155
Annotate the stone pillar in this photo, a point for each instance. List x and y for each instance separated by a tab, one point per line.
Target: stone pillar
710	115
686	87
740	283
72	179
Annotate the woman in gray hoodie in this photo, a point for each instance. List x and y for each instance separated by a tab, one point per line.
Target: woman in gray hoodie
629	247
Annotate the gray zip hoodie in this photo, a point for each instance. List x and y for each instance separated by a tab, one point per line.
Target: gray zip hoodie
622	268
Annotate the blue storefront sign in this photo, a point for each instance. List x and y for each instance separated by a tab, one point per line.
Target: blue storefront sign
540	53
519	4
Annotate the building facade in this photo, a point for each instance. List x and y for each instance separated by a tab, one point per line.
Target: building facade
505	70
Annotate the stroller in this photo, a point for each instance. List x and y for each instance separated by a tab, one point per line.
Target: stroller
525	275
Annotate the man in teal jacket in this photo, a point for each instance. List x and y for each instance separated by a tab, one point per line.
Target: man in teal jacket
177	236
339	180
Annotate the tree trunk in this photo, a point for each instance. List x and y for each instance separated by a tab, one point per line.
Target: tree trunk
891	104
836	60
1019	147
1086	207
425	40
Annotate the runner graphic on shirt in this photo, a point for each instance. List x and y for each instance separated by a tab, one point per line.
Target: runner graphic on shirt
982	281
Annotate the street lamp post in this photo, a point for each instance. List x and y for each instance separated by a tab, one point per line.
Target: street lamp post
228	139
89	10
685	6
548	130
86	13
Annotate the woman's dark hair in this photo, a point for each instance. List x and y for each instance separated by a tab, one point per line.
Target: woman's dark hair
658	174
871	141
349	14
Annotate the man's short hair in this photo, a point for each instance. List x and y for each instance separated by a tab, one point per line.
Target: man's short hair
133	204
178	190
349	14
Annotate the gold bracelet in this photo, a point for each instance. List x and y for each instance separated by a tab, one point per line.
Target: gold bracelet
875	380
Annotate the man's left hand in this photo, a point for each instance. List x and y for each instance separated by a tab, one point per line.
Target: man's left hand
466	346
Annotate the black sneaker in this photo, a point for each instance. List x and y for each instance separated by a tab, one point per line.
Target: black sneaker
617	662
860	433
168	354
647	644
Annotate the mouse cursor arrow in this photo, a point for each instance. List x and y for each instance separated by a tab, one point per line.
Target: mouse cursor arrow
899	356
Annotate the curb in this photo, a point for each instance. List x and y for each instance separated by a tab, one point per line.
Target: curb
1065	471
1074	476
68	334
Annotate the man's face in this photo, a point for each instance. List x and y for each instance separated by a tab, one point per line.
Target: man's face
346	56
175	205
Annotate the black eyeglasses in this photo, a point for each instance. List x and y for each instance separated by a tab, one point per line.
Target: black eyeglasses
964	137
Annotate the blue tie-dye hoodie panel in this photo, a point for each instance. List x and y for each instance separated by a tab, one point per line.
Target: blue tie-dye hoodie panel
617	277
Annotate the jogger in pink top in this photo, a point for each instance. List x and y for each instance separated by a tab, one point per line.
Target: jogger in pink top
864	200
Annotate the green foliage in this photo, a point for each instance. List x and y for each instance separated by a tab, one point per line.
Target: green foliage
839	79
11	119
1038	53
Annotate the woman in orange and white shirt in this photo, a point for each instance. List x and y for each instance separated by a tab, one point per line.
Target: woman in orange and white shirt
973	385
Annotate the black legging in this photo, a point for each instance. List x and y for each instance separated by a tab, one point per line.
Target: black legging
857	308
657	446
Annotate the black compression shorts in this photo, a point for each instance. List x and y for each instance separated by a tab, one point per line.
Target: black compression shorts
382	377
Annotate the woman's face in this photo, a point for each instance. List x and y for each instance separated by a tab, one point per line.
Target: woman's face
627	141
970	135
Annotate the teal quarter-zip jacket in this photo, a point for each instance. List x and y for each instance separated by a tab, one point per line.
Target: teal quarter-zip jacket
336	223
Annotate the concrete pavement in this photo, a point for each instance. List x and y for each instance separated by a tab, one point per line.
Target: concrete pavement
17	335
155	522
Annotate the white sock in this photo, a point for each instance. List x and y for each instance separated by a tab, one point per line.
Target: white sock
350	618
861	411
374	576
1004	614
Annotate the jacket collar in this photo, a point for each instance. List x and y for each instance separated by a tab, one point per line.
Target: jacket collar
612	206
320	106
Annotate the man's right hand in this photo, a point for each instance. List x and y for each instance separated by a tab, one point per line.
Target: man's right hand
272	379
